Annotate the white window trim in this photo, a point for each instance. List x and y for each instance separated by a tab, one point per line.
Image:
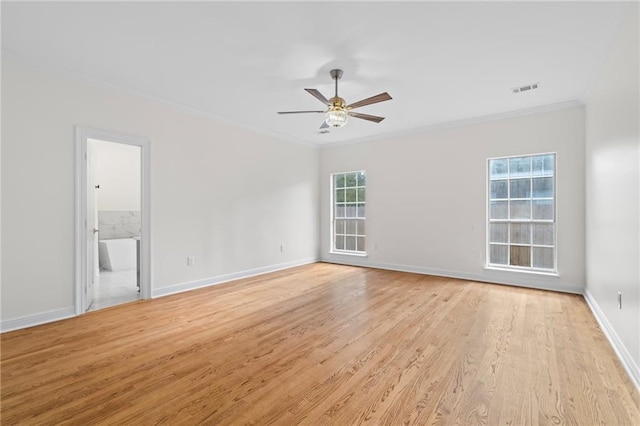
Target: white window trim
332	191
523	269
349	253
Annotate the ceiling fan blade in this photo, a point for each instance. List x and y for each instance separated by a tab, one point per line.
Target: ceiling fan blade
324	125
297	112
367	117
318	96
372	100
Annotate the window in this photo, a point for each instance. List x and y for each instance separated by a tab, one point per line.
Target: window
521	210
348	213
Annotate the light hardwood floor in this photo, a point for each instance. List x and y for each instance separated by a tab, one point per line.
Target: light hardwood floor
323	344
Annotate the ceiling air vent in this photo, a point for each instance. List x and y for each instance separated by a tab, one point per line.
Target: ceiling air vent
526	88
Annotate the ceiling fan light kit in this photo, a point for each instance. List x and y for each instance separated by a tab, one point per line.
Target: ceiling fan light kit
336	118
338	112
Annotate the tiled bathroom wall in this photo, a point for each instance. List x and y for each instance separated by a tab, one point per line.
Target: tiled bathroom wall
118	224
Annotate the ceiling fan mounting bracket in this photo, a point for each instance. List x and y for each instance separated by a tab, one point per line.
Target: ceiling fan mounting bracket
336	74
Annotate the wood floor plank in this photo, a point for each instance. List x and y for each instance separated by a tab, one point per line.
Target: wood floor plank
322	344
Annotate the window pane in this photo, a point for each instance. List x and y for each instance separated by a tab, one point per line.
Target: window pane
498	210
543	165
520	188
351	227
543	187
498	254
362	179
520	167
543	209
498	232
521	229
520	233
520	209
498	189
543	234
543	257
520	256
361	194
350	243
349	194
498	169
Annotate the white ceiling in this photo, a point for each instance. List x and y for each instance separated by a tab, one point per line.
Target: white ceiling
441	62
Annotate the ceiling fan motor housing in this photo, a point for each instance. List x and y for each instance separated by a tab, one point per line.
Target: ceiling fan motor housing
337	103
337	112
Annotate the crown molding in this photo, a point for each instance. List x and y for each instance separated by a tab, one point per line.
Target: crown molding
436	127
194	111
161	101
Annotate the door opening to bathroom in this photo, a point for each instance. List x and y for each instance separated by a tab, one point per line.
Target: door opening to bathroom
112	220
113	208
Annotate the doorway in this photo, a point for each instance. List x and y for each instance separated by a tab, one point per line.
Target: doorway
112	219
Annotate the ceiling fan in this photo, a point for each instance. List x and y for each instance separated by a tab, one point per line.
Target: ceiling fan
337	110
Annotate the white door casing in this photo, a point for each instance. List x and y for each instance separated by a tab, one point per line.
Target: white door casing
84	192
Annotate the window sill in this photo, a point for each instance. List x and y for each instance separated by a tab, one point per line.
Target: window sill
346	253
522	271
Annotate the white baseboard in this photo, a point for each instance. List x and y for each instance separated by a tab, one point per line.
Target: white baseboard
621	351
542	282
623	354
179	288
37	319
619	348
59	314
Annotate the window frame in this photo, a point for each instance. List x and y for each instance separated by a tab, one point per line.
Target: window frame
332	217
531	220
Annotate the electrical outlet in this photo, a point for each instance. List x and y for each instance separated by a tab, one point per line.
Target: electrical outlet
282	248
619	300
191	260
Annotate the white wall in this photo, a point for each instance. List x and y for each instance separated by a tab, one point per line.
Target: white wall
226	195
613	191
426	206
118	174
